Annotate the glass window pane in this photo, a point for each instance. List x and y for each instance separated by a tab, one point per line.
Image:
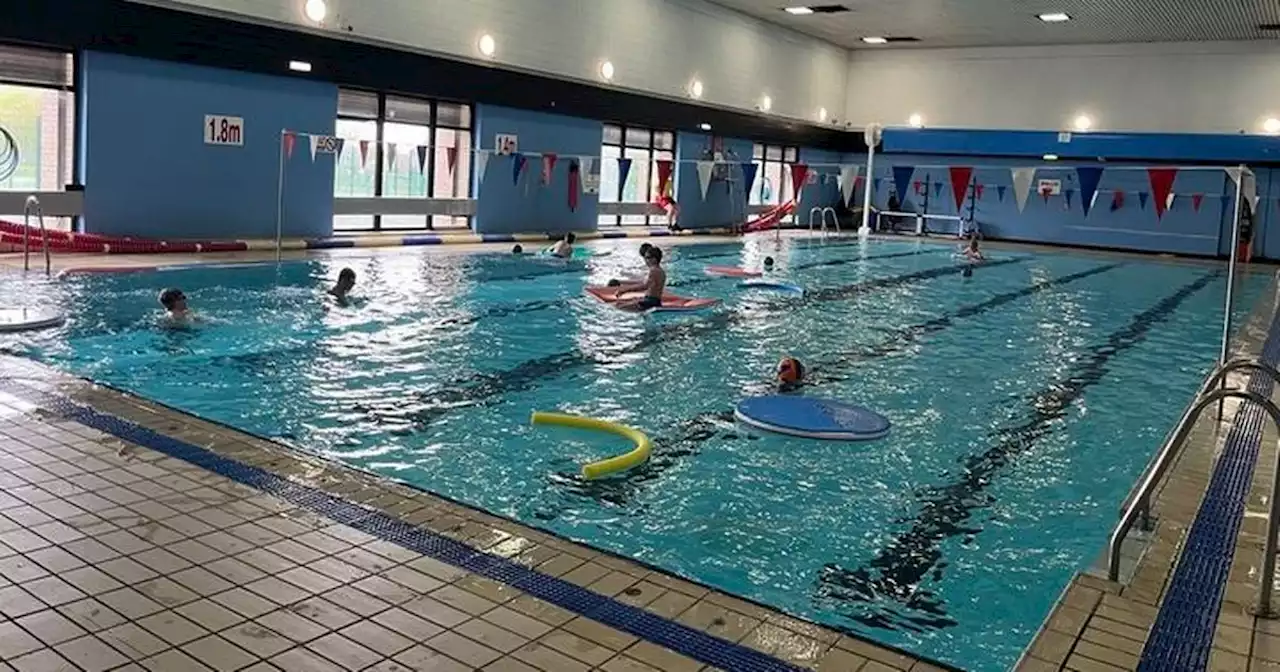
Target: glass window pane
454	115
792	155
636	189
403	174
609	173
357	104
757	151
664	140
408	110
353	175
757	187
612	135
450	222
607	220
452	181
638	137
633	220
772	153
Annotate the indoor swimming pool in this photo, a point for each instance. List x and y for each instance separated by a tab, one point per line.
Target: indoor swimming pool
1025	400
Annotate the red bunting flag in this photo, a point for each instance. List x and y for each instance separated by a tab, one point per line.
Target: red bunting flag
919	187
664	176
1161	186
1196	200
548	167
573	185
1117	200
960	176
289	140
451	157
799	172
1046	193
978	187
364	154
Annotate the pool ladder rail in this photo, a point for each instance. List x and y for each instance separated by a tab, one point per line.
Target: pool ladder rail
33	206
822	219
1137	506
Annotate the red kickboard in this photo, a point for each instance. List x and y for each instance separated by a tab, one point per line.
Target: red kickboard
732	272
670	302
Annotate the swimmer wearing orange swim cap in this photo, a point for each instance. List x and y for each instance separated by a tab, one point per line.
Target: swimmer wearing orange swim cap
790	371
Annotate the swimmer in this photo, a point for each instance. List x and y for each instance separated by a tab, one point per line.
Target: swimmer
971	250
175	306
518	249
644	253
563	247
652	286
346	280
768	263
790	373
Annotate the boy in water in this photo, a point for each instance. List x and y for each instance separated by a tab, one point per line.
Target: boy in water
644	254
346	281
175	306
653	286
563	247
971	250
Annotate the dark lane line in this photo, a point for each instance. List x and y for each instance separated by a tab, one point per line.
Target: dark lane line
480	388
898	571
668	451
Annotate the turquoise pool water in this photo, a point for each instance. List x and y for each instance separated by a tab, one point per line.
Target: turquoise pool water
1025	400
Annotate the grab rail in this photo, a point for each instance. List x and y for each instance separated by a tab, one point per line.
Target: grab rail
33	205
1140	503
822	218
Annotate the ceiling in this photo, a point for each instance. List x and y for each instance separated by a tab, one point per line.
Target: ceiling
984	23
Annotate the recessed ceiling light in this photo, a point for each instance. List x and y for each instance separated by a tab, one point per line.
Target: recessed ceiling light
487	45
766	103
1054	17
315	10
1083	122
916	120
798	11
822	114
299	66
876	40
1050	157
695	88
1271	125
704	126
606	71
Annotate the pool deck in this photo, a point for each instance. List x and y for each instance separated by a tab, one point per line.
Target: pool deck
133	536
1102	626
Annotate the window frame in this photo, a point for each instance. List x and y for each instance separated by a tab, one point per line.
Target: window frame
429	170
68	118
760	155
649	151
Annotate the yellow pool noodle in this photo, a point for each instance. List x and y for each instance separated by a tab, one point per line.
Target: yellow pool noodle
592	470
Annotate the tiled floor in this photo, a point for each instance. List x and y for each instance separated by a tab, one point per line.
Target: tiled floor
116	556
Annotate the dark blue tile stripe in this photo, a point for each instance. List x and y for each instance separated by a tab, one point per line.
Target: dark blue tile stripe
1182	635
682	639
329	244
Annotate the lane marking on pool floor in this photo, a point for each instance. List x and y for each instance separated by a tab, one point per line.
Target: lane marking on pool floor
899	571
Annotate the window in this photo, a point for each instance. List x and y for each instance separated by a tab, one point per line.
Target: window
645	148
773	181
37	112
404	148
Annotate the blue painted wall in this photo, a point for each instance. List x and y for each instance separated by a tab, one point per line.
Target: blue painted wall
504	205
148	173
725	203
822	189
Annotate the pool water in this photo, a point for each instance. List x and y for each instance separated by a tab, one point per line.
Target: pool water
1025	400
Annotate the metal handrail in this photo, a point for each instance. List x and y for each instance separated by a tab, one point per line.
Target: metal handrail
835	219
1134	509
812	211
33	205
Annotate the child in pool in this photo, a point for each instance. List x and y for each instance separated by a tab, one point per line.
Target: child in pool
644	253
518	249
971	251
768	263
653	285
175	306
563	247
346	281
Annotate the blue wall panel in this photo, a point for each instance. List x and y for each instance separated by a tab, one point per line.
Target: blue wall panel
148	173
726	199
507	206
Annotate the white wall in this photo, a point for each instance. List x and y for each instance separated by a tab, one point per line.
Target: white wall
656	46
1209	87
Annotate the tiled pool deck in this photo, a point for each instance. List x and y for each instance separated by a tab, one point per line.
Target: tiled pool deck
117	555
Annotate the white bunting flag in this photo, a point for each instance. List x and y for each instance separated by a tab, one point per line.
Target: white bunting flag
848	178
590	179
704	176
1022	178
315	145
482	162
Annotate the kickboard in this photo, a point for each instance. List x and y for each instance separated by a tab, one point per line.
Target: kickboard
670	302
812	418
732	272
772	284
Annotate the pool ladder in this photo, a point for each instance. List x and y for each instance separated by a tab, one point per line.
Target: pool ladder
1137	506
822	219
33	206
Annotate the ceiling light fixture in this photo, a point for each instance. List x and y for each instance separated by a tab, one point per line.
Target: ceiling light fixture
1083	123
766	103
315	10
798	11
1271	126
822	114
695	89
1050	157
1054	17
876	40
916	120
704	126
606	71
487	45
299	66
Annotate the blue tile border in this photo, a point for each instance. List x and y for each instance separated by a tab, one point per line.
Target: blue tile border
664	632
1182	635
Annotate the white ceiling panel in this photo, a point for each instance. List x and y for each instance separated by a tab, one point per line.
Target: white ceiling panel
976	23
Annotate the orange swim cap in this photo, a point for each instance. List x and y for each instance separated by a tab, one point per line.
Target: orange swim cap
790	370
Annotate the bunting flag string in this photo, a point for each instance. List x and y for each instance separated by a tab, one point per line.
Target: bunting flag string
364	154
1000	189
518	162
937	189
664	176
1068	193
315	145
978	188
960	176
391	156
749	175
482	164
848	179
799	173
1022	178
548	168
451	158
1117	200
1161	186
289	140
574	181
590	183
624	171
422	158
1196	200
704	176
1142	200
1089	177
902	180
